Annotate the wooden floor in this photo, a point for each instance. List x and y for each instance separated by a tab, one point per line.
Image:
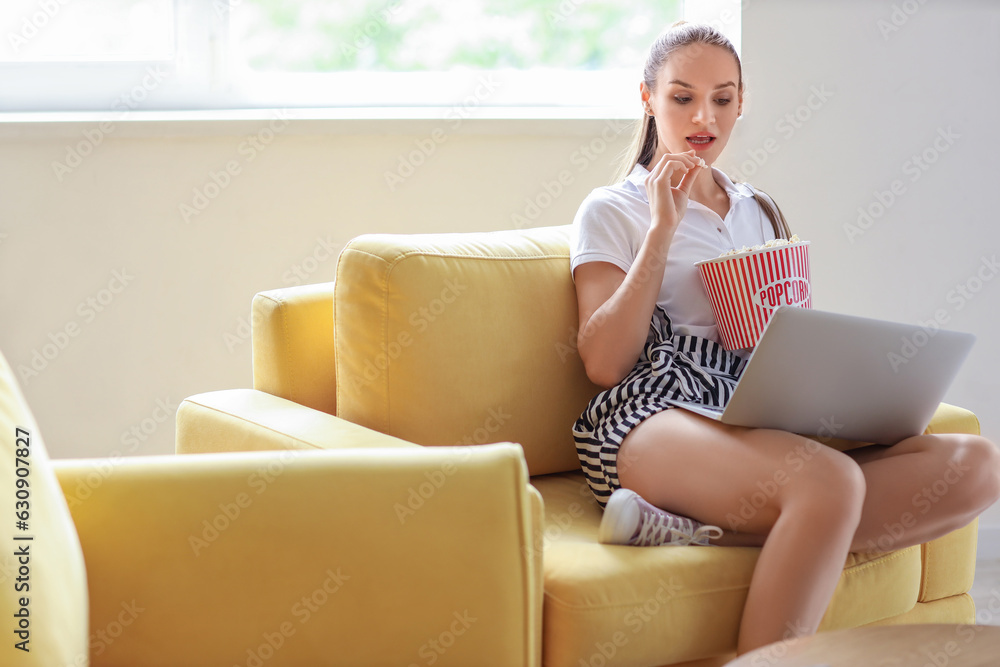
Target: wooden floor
986	592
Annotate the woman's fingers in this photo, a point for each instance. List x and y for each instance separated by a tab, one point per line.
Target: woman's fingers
667	207
688	179
689	159
661	175
664	171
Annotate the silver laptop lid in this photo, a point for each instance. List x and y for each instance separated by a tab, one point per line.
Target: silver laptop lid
828	374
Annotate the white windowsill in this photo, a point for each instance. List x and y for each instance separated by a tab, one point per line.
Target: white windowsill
313	121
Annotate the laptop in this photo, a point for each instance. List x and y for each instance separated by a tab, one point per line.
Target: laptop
826	374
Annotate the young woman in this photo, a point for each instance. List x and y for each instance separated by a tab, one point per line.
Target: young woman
666	476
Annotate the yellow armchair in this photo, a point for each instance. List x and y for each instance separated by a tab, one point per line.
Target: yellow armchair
309	557
384	553
463	339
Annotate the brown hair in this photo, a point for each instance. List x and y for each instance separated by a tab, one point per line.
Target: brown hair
678	35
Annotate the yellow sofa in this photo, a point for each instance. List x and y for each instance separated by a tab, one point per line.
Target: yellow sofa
448	340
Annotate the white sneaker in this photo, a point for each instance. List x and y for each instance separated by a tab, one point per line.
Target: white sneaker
628	519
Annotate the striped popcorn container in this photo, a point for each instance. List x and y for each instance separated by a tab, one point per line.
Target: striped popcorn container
747	287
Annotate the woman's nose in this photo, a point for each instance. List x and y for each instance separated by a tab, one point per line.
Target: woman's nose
704	114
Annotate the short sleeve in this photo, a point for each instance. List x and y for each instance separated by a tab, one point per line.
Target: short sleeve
603	232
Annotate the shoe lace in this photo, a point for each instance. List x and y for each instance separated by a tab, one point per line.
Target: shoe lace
662	528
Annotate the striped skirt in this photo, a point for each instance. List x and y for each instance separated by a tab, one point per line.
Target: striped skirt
682	367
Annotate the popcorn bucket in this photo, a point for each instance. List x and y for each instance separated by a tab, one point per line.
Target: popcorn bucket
747	287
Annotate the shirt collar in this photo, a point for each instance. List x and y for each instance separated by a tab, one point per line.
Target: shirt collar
638	179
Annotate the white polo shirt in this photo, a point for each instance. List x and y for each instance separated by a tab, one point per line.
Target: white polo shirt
612	222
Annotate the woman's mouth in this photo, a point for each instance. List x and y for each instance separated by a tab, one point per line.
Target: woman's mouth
700	143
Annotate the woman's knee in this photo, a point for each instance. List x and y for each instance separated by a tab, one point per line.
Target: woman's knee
817	484
967	469
830	487
972	465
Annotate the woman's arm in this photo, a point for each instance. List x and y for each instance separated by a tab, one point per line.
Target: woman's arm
616	307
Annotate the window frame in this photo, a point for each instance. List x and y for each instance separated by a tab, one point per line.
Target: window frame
201	77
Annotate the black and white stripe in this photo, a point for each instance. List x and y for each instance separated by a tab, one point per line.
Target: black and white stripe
683	367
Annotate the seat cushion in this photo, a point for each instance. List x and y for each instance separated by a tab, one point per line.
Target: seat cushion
43	596
655	606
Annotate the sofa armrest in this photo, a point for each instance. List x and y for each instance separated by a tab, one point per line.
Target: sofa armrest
949	562
368	556
293	351
249	420
953	419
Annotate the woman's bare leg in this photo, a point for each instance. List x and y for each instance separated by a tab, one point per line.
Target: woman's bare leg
807	501
916	491
924	487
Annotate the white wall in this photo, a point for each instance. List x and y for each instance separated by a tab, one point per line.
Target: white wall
175	328
321	182
892	94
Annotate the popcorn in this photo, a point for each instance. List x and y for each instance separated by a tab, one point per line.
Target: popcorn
773	243
745	287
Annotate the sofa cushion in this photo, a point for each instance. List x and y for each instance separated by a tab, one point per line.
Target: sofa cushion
43	584
462	338
602	599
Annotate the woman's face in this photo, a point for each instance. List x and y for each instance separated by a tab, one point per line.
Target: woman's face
696	93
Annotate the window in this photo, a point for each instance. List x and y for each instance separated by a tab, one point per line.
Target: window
87	30
103	55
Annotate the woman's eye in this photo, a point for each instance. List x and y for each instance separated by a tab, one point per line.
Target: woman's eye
685	100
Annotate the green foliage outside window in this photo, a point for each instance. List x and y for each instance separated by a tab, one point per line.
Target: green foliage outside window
439	35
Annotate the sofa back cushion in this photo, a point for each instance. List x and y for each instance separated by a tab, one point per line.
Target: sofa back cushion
462	338
43	584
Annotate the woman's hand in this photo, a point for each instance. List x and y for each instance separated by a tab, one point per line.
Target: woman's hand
668	204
